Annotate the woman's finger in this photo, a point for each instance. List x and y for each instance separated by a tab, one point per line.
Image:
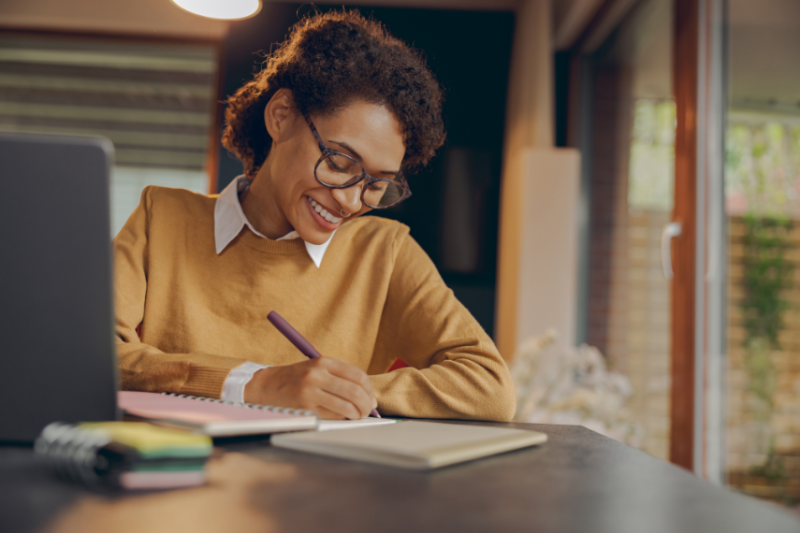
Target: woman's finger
350	392
337	405
327	414
349	372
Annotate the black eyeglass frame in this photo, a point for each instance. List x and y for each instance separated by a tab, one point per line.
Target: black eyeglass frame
399	178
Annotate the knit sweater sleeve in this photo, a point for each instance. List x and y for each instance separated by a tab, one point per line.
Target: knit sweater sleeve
143	367
455	370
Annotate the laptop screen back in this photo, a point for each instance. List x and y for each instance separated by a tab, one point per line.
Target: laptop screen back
57	350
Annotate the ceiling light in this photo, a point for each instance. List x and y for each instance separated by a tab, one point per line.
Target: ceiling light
221	9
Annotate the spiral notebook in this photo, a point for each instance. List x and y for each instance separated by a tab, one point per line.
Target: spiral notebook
214	418
127	455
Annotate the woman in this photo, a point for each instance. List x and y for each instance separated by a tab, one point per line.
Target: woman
323	132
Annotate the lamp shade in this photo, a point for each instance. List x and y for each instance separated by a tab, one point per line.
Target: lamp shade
221	9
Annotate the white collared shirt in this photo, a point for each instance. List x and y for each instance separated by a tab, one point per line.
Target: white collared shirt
229	220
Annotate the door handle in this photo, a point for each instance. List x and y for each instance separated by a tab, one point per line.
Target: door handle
670	231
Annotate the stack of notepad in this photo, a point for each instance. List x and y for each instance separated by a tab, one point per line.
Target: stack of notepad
130	455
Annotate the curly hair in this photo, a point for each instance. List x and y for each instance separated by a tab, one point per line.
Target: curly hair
328	61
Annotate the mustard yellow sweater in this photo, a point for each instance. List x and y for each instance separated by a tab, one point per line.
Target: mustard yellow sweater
376	297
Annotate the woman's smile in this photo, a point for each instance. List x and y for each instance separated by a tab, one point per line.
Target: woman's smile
322	216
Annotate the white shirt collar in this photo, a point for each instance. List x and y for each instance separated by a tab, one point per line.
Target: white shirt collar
229	220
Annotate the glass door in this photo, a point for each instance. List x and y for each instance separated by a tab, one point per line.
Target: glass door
761	438
747	394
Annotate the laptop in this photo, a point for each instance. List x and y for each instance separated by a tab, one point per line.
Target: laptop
57	348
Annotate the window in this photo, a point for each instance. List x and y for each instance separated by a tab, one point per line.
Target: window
154	101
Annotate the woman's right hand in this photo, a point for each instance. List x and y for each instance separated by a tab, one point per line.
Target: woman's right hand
335	389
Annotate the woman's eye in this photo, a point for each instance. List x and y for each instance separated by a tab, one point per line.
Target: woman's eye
377	186
333	166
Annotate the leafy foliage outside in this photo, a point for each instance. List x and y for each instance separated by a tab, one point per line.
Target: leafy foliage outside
762	166
652	160
767	274
762	172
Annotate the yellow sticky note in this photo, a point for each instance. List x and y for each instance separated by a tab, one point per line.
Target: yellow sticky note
152	441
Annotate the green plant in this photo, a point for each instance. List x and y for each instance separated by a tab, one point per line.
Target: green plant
767	274
773	469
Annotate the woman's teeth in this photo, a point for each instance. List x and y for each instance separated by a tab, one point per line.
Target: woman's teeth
323	212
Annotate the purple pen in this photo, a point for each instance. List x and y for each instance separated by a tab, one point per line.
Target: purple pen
299	341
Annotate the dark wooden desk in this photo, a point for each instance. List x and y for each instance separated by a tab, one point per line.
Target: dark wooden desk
579	481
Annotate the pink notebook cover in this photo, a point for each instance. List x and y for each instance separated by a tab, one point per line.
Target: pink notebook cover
161	480
194	411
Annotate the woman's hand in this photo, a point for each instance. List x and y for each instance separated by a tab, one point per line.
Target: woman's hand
333	388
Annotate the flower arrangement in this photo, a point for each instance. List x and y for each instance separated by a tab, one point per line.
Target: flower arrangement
572	386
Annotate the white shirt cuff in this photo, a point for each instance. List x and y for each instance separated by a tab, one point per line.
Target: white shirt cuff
233	388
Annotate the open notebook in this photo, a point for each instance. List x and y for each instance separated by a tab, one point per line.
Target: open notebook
214	418
411	444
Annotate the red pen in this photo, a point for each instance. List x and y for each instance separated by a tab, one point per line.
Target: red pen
299	341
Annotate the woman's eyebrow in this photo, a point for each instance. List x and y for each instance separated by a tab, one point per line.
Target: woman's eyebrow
350	148
358	156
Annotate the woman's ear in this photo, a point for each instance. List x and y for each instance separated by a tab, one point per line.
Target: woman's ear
279	115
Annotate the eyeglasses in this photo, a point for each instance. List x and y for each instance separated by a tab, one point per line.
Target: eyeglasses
339	171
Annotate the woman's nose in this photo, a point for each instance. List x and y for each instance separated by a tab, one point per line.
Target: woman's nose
349	199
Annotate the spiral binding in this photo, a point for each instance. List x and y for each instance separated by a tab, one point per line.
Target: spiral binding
270	408
73	453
